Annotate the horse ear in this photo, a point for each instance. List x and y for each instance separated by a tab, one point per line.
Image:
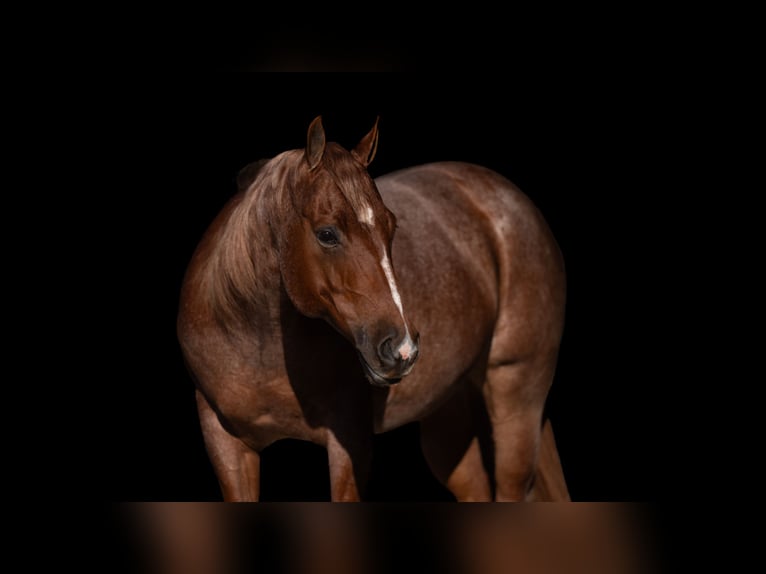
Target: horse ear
315	142
366	148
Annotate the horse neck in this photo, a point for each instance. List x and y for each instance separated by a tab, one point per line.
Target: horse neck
246	282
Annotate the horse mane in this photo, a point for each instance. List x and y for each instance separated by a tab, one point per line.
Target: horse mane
244	259
247	174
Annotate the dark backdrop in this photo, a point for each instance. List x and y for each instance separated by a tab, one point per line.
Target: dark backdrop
592	154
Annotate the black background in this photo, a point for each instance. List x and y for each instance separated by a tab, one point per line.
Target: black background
592	147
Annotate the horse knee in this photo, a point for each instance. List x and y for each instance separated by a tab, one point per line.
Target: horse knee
514	486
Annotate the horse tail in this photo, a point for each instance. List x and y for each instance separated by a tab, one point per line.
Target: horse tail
550	485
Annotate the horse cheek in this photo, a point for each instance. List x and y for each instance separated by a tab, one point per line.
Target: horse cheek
297	278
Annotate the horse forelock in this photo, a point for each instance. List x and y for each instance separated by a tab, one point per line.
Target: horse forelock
352	179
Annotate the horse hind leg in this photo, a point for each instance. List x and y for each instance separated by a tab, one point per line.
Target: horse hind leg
236	465
515	395
450	439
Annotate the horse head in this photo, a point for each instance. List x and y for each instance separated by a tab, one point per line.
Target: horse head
335	255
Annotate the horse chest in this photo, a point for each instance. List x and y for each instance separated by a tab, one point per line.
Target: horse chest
267	411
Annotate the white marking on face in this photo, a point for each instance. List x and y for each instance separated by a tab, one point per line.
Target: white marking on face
407	347
366	215
386	264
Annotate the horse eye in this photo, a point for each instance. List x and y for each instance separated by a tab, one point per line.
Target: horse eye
327	236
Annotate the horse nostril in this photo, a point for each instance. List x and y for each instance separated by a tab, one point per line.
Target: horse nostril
399	355
386	351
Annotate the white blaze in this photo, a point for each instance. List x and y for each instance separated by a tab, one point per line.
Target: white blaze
406	349
366	215
386	264
407	346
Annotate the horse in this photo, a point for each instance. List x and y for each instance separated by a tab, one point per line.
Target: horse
325	306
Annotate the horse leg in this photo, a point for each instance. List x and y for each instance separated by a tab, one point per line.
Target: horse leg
515	395
550	484
236	465
451	447
350	460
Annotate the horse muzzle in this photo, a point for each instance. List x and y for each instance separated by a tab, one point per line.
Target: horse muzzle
396	361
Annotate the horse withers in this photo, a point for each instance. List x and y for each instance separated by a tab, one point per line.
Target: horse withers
326	306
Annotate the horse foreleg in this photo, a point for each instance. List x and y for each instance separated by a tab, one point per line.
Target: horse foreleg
350	463
515	395
451	447
550	485
236	465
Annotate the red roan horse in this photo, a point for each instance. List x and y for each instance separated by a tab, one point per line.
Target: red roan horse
441	285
